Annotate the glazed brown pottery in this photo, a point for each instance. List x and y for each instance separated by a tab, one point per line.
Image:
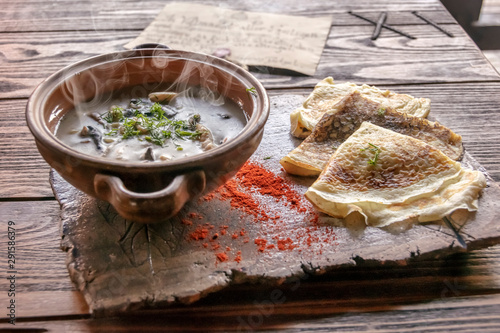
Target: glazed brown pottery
146	192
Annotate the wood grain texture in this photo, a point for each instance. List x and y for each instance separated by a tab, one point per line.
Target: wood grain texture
349	54
392	59
37	246
121	266
466	283
468	109
20	16
457	314
23	172
459	293
36	56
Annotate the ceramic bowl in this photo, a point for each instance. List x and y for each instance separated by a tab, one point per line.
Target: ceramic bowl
146	192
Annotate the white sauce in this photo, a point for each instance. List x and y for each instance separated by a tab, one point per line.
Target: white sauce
221	116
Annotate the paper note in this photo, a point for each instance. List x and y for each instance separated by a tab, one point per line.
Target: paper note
253	38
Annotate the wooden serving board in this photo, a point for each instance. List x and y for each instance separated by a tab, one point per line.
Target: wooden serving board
258	227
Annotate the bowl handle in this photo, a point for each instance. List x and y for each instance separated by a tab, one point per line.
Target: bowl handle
149	207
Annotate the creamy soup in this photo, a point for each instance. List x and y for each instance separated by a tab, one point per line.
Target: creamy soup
158	127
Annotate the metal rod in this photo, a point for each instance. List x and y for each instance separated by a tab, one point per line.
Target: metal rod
378	27
383	25
459	237
434	24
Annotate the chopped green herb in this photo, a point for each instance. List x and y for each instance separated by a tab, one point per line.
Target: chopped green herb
268	157
114	115
167	134
183	134
112	132
155	137
381	112
130	128
376	150
157	111
153	124
252	90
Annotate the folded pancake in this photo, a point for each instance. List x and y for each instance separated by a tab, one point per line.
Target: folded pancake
327	93
345	117
384	177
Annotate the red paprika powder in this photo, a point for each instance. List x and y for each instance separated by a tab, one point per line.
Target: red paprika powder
248	192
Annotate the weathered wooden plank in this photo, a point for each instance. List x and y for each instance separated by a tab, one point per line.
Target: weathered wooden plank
23	171
435	293
38	55
37	246
168	264
41	286
469	109
462	314
349	54
446	285
17	16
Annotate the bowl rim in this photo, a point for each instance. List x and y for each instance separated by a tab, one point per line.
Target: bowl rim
42	134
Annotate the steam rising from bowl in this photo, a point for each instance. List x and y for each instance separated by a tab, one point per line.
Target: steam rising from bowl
85	83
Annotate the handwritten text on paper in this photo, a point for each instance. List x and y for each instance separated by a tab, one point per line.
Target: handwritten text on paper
260	39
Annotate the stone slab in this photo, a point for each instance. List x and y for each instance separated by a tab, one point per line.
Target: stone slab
246	231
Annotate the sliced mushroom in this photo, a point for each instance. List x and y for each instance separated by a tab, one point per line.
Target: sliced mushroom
128	113
148	155
162	97
97	117
135	103
193	121
142	129
206	137
94	134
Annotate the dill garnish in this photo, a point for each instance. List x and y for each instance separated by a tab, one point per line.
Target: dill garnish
252	90
151	125
376	150
115	114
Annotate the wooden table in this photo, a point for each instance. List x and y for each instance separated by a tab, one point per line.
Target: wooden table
458	293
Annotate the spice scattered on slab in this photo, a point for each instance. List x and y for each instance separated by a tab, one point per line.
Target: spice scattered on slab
286	220
222	257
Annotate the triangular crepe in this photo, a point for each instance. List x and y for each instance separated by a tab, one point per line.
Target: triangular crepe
386	177
345	117
327	93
